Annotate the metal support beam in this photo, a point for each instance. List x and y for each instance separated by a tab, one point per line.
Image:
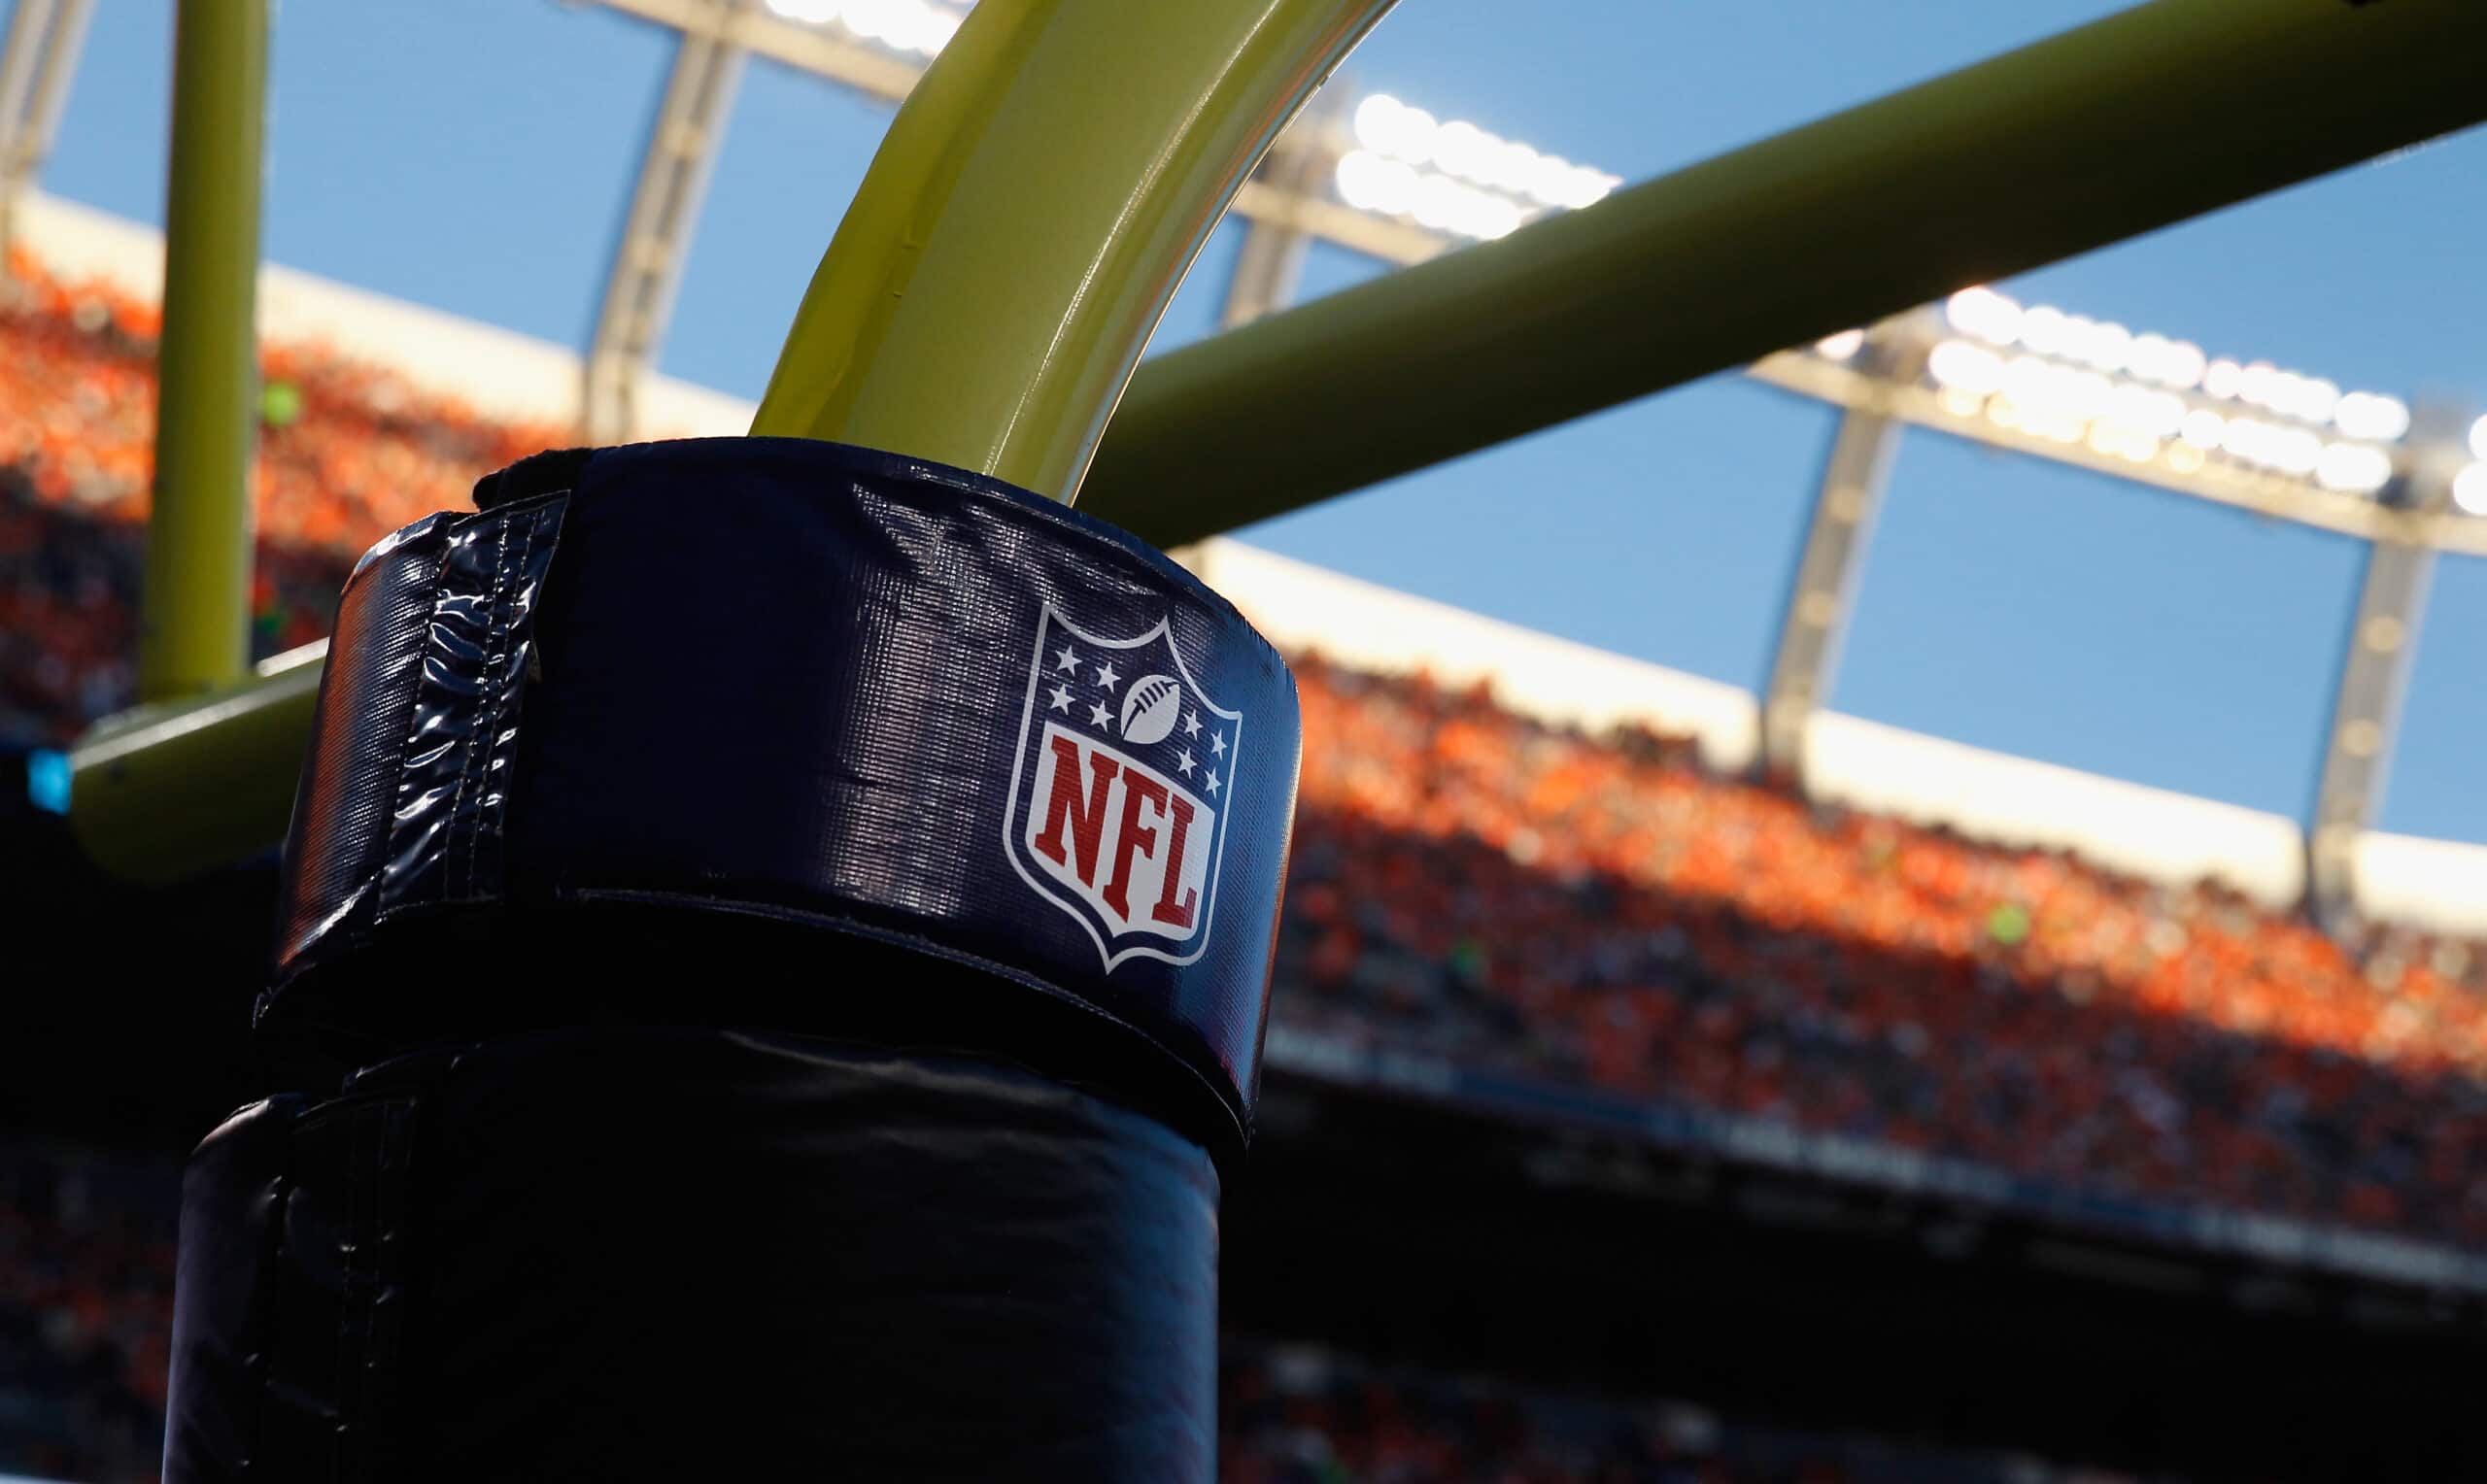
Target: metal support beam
1838	533
1266	271
646	273
1271	261
36	67
1986	172
20	58
2375	677
195	610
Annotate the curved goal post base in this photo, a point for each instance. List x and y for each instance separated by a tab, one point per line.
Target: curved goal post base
773	951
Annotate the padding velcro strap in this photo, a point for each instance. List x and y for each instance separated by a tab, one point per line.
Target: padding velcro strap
823	684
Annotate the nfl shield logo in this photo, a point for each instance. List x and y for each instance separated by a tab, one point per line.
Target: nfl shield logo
1121	789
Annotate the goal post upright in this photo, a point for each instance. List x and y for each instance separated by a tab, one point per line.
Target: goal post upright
1031	212
196	611
2129	124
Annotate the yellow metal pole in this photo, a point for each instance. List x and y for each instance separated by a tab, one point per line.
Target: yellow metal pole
195	614
1034	207
2148	116
168	790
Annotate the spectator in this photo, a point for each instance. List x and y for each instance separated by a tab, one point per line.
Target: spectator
85	1313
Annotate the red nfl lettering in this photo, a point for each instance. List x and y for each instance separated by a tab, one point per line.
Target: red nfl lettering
1166	910
1084	811
1135	837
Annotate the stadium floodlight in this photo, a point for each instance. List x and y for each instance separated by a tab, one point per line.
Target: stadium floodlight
2470	490
2356	468
2105	345
2202	429
1842	346
2175	363
915	27
1455	177
2141	396
1961	366
1461	150
1985	313
2371	416
1370	180
2352	469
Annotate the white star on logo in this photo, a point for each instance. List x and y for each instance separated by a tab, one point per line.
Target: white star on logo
1183	764
1191	724
1061	699
1099	715
1217	744
1212	783
1105	674
1067	659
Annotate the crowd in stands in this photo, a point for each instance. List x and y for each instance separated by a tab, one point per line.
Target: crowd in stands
347	453
85	1313
69	595
1594	911
1301	1416
347	450
1604	911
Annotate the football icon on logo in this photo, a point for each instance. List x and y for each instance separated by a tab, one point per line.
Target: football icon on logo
1149	709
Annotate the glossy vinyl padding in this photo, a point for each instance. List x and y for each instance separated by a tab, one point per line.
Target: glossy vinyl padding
642	1254
1021	756
735	1014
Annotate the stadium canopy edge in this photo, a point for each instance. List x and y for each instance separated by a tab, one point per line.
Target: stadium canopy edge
2116	128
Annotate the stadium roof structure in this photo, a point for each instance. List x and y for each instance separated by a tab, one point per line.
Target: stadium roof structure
1733	256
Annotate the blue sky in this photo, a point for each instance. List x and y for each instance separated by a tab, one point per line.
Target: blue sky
474	155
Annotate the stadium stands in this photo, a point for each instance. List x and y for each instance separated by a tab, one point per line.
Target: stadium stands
1503	895
1302	1415
1481	889
86	1312
347	452
1498	893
